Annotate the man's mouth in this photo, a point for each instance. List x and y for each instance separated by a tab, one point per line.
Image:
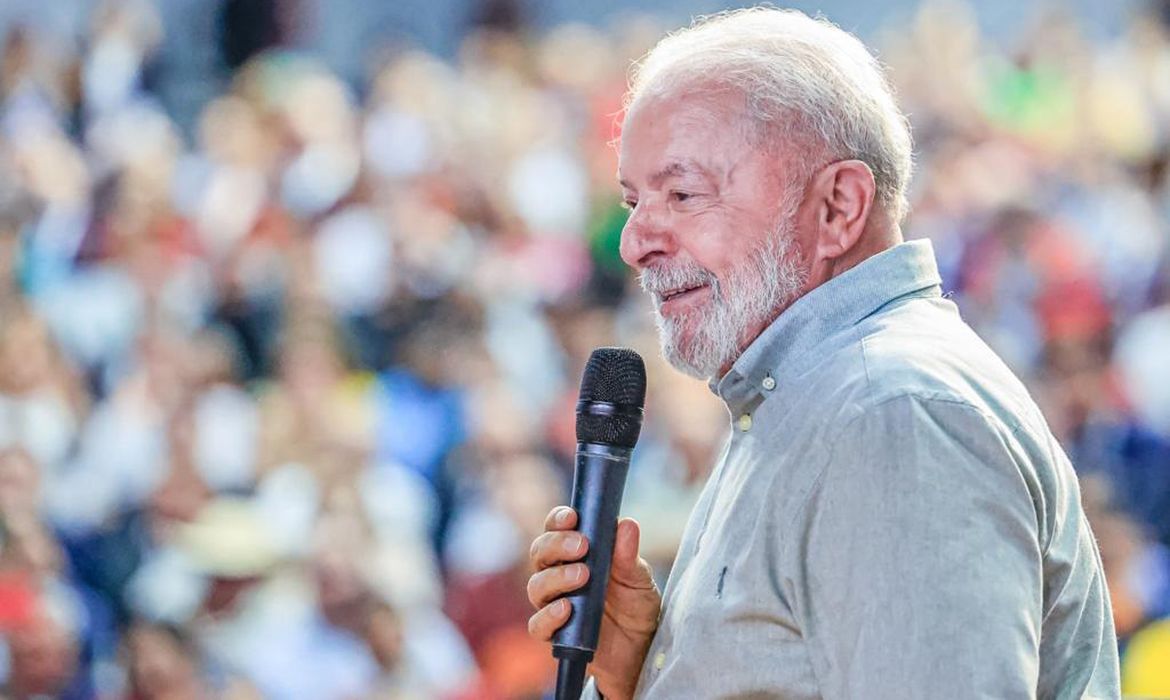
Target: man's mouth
680	292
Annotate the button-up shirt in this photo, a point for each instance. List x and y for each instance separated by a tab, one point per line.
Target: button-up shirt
890	518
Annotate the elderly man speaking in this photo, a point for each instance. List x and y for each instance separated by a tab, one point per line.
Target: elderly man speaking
890	517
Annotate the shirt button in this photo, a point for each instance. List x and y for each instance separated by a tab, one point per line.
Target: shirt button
744	422
769	383
659	660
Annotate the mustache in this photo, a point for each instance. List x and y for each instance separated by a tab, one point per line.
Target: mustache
660	279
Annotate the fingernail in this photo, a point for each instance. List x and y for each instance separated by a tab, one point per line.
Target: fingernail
573	543
563	516
562	606
574	573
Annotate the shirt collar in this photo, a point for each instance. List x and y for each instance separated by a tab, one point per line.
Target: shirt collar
841	302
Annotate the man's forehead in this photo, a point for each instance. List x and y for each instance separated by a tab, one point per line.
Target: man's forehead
652	113
682	133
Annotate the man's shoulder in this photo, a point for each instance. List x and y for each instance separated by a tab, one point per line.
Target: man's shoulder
919	349
924	350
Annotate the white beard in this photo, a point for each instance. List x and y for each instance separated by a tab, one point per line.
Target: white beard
703	341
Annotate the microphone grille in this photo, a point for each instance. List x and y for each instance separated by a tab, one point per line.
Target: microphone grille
616	376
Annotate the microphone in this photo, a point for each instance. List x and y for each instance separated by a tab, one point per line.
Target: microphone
609	418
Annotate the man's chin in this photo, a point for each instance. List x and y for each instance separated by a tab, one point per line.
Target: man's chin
684	364
683	353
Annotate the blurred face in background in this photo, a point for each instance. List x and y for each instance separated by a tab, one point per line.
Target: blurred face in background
25	354
711	228
43	657
19	484
161	665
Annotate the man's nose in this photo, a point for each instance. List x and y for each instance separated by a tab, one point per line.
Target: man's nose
645	237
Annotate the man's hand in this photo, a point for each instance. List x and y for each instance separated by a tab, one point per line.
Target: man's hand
632	601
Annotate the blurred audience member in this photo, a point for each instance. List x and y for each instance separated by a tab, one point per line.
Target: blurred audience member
162	664
281	403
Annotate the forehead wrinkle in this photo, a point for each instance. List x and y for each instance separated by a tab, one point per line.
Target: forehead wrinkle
677	168
684	166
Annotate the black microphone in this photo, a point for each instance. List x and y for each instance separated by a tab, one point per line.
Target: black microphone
609	418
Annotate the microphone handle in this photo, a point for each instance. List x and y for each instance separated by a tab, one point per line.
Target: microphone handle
599	477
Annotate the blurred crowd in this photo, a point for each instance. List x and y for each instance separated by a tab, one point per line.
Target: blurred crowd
283	401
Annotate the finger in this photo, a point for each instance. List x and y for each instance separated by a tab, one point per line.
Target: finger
546	621
557	547
561	518
544	586
628	567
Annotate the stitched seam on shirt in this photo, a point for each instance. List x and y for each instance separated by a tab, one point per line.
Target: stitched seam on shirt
995	423
925	395
820	476
1040	508
926	292
815	484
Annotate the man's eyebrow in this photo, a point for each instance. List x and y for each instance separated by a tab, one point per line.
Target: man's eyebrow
672	169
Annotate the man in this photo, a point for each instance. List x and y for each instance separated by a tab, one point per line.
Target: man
891	517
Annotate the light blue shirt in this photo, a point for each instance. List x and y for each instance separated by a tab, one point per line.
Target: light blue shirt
891	518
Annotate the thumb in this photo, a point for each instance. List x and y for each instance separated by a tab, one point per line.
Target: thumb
627	568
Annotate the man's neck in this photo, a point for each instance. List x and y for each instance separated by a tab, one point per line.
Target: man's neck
820	272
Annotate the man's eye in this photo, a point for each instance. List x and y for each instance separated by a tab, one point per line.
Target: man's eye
680	196
629	204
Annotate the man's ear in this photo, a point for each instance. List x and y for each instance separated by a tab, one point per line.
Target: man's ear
843	197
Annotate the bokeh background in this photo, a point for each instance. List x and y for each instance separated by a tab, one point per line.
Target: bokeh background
295	296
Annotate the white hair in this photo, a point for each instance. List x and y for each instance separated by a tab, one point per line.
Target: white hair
803	79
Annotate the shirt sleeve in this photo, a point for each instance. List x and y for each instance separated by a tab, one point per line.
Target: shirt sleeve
921	558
